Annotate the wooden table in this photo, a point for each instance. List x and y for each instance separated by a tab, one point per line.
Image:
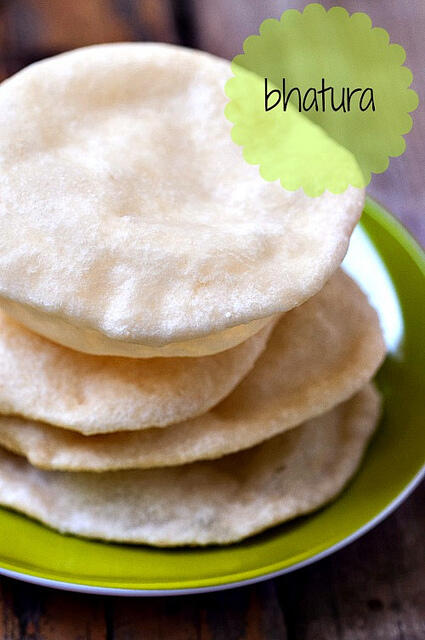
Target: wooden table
375	588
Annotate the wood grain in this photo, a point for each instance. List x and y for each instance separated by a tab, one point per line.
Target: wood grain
373	589
34	29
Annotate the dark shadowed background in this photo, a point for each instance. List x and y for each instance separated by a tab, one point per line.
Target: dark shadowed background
375	588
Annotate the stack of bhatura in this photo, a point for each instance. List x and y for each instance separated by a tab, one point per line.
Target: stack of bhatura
182	360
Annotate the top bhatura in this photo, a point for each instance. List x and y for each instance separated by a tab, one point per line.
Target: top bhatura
130	224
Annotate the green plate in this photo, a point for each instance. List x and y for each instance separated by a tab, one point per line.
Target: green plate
391	267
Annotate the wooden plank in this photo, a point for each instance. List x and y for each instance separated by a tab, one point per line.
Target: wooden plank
374	588
70	616
37	29
252	613
3	44
59	24
10	626
30	612
153	618
156	18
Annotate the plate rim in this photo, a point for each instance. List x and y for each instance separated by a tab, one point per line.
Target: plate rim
76	587
381	215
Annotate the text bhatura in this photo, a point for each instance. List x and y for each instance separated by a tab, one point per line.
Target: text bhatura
319	99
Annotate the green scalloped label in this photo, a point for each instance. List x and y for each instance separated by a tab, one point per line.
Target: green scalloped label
320	100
